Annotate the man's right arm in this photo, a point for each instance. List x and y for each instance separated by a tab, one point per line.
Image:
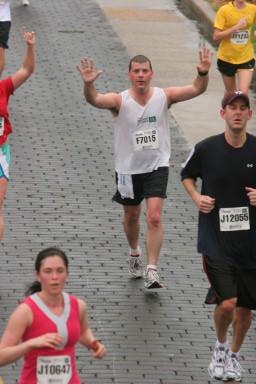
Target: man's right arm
204	203
109	101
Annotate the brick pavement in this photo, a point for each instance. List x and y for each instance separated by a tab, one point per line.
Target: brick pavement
60	194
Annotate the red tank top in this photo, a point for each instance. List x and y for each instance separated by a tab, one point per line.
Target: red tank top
6	89
44	321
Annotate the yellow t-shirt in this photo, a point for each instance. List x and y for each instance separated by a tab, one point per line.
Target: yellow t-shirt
237	48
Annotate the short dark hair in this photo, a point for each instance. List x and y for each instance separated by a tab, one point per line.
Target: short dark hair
139	59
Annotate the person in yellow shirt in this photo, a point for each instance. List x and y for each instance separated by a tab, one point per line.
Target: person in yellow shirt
235	56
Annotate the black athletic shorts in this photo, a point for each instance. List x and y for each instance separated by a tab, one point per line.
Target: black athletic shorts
228	281
229	69
5	27
145	185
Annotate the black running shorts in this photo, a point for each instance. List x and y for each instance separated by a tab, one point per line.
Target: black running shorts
229	69
5	27
228	281
145	185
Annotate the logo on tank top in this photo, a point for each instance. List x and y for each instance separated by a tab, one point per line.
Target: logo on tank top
149	119
249	165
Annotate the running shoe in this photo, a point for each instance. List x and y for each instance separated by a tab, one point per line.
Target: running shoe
151	279
135	266
233	370
217	364
25	2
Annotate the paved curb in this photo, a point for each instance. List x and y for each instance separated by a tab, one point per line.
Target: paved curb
204	14
60	194
202	9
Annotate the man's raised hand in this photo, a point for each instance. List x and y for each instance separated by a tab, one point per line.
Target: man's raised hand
87	71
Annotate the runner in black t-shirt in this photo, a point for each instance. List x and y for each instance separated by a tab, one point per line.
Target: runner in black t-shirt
226	163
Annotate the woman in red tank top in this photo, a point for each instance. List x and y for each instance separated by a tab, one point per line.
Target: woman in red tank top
7	87
45	328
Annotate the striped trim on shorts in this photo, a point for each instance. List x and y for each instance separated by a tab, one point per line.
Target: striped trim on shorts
5	159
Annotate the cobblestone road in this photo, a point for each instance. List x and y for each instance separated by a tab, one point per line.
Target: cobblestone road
60	194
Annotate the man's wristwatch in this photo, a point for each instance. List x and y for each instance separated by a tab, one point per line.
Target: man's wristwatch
200	73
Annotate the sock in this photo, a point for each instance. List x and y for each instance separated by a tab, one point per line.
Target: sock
152	266
236	354
219	344
135	251
223	345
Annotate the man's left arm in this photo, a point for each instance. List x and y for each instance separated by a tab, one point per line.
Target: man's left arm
199	85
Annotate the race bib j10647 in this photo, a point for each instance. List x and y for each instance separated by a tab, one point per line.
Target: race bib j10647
53	370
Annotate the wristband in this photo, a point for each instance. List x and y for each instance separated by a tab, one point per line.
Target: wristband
202	73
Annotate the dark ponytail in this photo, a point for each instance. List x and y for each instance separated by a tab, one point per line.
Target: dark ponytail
33	288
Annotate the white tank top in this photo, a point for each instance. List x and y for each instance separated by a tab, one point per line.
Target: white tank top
142	134
5	13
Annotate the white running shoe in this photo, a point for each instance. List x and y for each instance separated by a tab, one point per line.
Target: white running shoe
135	266
151	279
25	2
233	370
217	364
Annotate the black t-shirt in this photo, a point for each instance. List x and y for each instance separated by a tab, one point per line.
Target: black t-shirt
225	172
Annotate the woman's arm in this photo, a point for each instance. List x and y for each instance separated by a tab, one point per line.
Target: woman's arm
219	34
11	347
28	66
87	338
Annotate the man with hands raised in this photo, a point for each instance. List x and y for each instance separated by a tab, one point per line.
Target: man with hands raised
142	150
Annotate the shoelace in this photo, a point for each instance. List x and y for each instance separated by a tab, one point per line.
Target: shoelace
220	355
233	364
135	262
152	274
